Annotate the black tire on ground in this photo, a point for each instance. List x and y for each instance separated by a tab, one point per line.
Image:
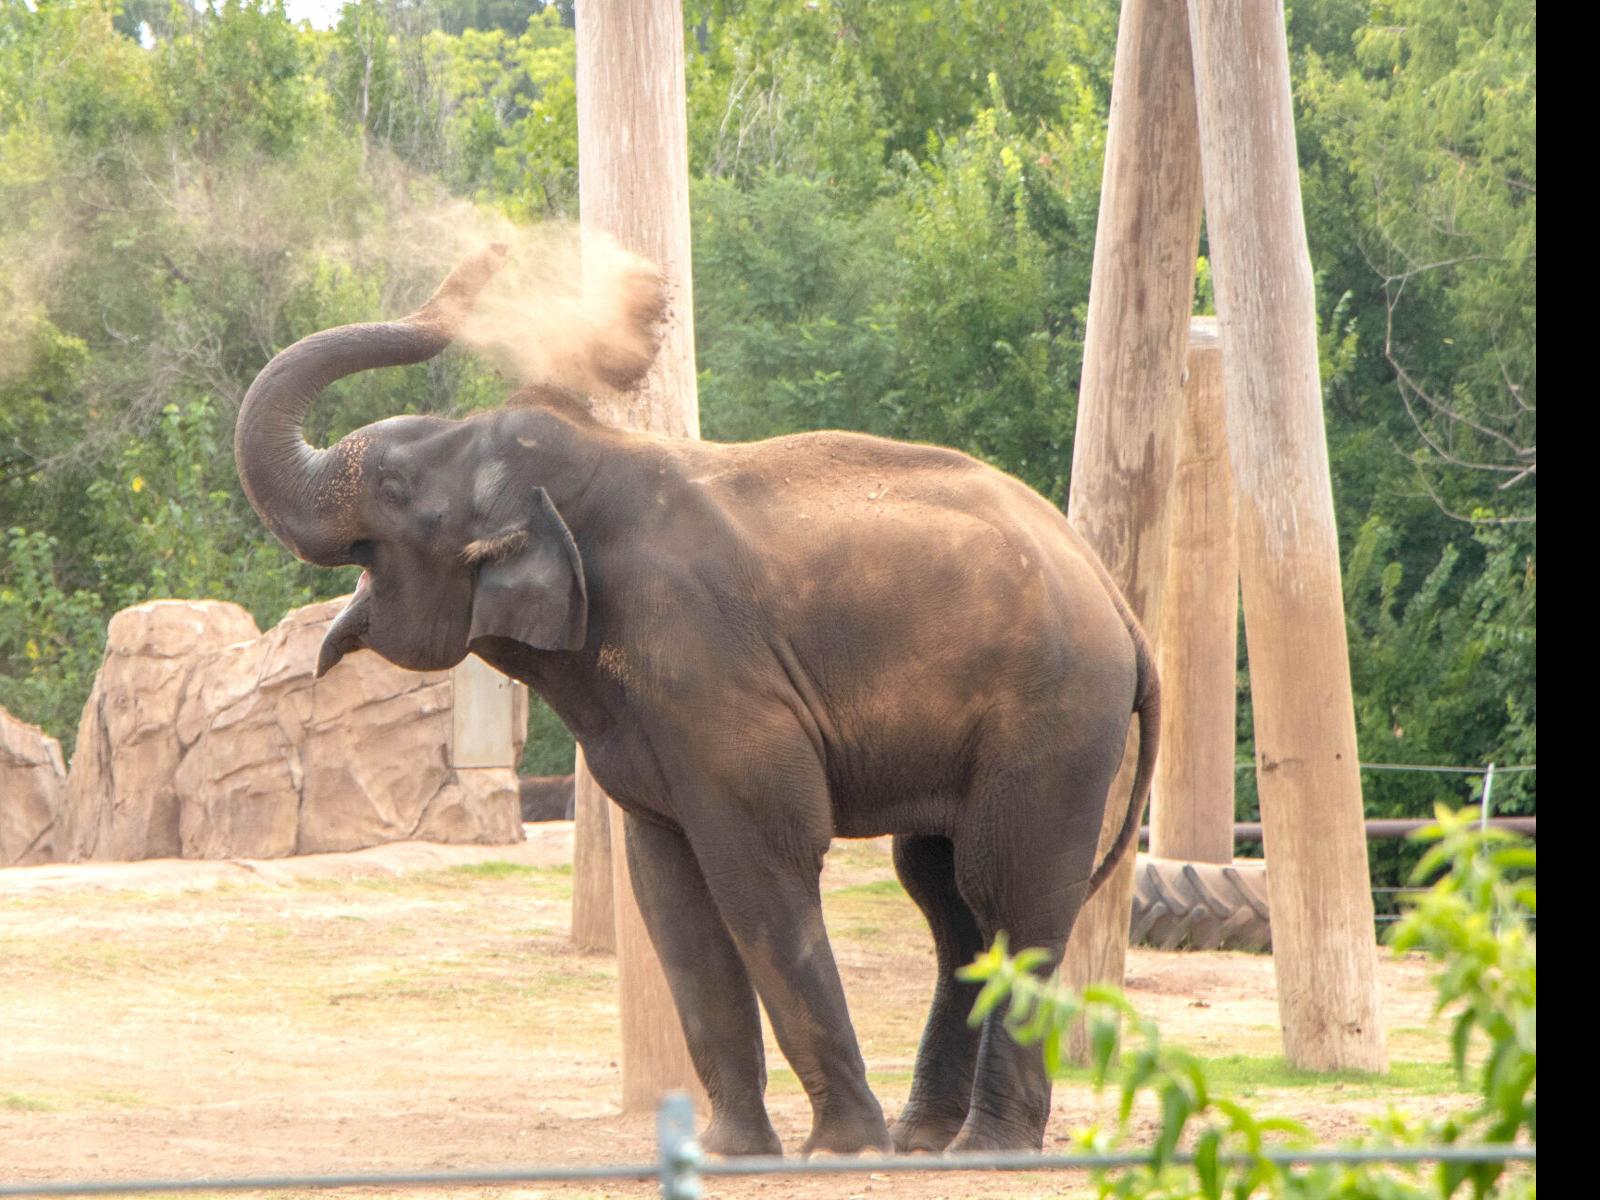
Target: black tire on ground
546	797
1200	906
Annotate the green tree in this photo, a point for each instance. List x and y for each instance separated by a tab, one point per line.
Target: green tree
894	211
796	310
996	233
238	80
1435	123
515	117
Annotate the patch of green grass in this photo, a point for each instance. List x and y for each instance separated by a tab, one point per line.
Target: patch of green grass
1234	1075
782	1081
1246	1074
550	883
118	1099
72	1098
280	931
871	912
878	887
15	1102
497	870
443	991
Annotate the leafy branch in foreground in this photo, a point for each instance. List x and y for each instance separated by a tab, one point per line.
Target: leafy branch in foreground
1474	919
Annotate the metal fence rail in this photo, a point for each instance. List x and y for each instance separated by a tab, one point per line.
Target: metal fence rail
1378	829
682	1165
1246	764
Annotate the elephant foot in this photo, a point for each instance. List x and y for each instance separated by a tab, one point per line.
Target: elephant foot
983	1134
856	1133
733	1138
924	1133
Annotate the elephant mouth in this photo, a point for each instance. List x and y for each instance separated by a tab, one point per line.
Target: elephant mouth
349	629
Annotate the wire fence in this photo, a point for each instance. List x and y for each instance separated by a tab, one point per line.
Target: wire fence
1251	831
1488	771
681	1165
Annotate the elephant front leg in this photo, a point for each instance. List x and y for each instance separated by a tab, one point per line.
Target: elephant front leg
772	904
715	1001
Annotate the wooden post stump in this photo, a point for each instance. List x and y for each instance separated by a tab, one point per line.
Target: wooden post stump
485	710
1306	766
633	185
1140	297
1191	804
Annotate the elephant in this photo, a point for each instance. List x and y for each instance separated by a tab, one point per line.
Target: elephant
759	647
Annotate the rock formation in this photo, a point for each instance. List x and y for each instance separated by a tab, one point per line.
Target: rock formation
32	783
204	738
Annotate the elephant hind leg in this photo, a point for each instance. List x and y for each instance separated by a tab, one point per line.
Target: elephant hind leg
941	1084
1023	860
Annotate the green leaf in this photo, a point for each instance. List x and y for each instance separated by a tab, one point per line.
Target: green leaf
1103	1037
1175	1111
993	992
1206	1164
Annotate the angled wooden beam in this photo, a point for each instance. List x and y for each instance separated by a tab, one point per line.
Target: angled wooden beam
1140	296
1324	950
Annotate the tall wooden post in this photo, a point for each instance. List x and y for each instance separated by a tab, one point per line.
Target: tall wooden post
1140	296
1191	805
1306	766
633	186
594	920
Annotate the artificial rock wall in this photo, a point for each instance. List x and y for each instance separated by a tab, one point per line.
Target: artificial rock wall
33	782
205	738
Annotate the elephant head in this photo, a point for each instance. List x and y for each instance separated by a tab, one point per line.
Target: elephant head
458	541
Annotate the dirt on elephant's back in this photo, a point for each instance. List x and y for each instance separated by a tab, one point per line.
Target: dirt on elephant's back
417	1008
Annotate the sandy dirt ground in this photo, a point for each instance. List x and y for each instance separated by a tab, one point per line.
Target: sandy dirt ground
417	1007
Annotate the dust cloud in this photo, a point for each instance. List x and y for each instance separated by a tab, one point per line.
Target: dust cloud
572	310
569	307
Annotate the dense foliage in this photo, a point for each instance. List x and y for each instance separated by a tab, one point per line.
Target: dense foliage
894	208
1474	921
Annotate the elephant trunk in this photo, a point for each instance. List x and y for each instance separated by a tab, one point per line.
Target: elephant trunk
305	496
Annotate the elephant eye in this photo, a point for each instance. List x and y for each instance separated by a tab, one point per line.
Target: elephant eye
392	491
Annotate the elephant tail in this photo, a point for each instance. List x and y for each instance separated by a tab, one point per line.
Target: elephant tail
1147	704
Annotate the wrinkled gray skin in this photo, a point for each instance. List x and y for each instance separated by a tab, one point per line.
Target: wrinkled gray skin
760	648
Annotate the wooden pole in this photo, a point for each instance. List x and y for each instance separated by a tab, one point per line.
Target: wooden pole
633	186
594	921
1191	805
1306	765
1140	296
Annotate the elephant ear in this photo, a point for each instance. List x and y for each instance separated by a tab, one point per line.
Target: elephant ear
530	585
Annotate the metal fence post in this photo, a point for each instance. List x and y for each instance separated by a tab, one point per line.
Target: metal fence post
1488	788
680	1149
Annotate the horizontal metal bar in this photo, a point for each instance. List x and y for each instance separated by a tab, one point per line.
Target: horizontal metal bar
764	1166
1088	1162
273	1183
1245	764
1378	828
